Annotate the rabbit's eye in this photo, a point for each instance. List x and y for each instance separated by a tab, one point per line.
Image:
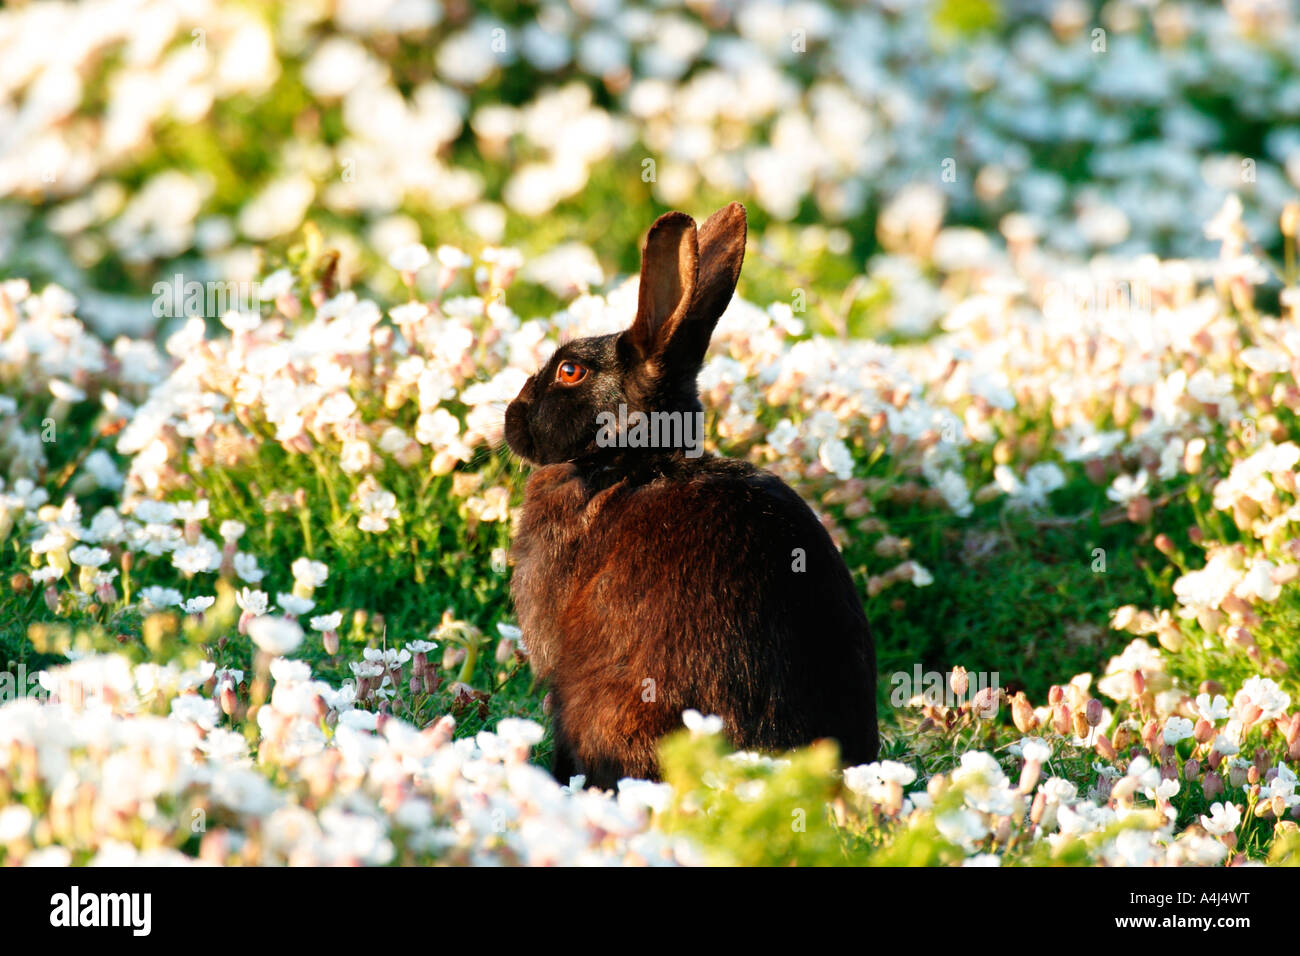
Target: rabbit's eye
570	373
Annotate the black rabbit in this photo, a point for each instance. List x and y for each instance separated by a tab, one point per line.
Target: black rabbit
650	580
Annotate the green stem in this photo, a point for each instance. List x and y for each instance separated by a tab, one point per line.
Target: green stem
471	658
304	519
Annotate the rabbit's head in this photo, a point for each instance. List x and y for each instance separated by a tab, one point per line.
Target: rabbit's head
563	413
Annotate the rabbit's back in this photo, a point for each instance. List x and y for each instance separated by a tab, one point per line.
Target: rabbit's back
710	585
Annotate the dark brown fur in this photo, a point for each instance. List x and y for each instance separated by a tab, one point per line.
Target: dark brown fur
648	582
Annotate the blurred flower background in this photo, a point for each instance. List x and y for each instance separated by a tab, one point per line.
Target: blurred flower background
1018	318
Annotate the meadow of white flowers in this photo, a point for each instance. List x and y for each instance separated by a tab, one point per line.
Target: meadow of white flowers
141	130
224	527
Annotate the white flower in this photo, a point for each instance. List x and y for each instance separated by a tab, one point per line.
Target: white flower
1178	729
1212	710
1035	750
292	604
523	732
278	283
1264	693
89	557
197	605
409	258
783	436
247	569
253	602
866	779
327	622
194	709
1225	745
1125	489
962	826
275	635
1223	819
160	597
311	574
654	796
197	559
15	823
697	723
452	258
51	572
1258	583
920	577
835	457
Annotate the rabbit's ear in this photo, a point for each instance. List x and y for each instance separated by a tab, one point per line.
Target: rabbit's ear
722	250
669	261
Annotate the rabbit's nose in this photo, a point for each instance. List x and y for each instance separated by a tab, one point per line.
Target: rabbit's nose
526	393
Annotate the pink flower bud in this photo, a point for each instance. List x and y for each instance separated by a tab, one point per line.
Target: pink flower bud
440	733
1240	638
1093	712
986	703
1104	747
1029	776
1061	719
1022	713
1212	786
1121	739
229	702
1037	807
1151	734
